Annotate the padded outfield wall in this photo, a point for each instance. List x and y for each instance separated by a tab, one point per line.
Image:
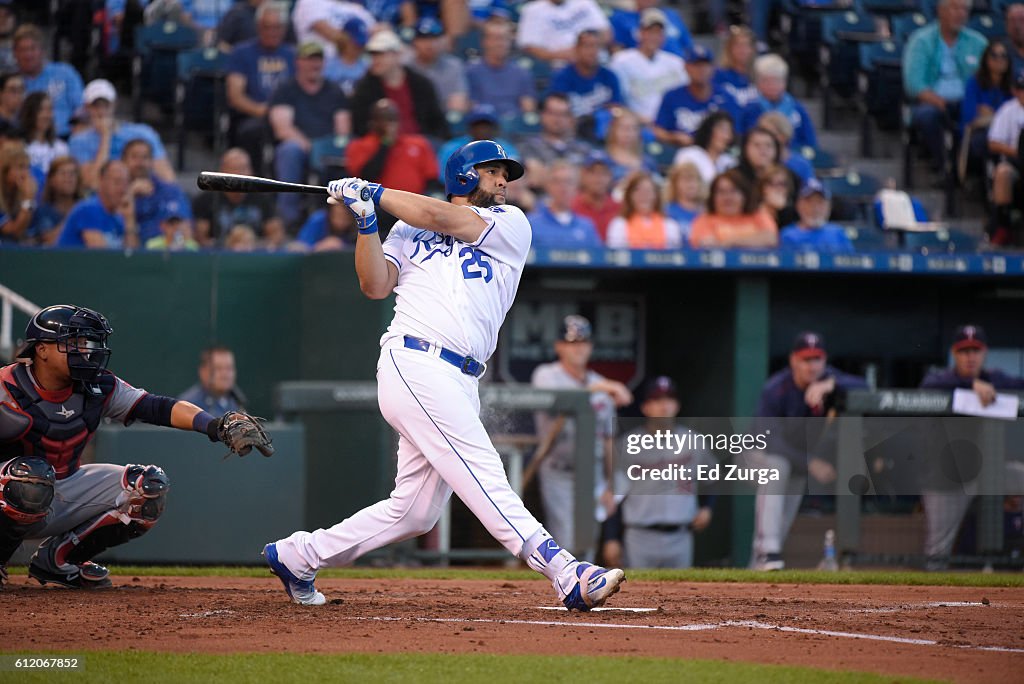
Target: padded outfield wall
717	325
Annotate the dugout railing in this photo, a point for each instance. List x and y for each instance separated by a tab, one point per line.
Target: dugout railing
298	398
968	455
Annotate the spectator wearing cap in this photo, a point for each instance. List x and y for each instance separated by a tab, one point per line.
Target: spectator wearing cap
642	223
594	200
646	72
770	76
494	79
323	22
813	230
302	110
627	27
1006	139
216	213
590	86
555	224
419	109
573	348
175	234
154	198
682	109
482	123
735	64
555	140
351	62
548	29
944	508
430	57
937	61
106	137
385	155
107	219
711	144
255	69
808	387
59	80
661	519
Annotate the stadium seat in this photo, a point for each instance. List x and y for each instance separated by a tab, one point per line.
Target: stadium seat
539	69
199	100
841	33
941	240
456	123
327	157
854	192
663	155
991	26
902	25
866	238
800	22
521	125
887	8
467	46
823	161
880	83
155	65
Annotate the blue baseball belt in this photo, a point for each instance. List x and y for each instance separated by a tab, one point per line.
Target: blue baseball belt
466	364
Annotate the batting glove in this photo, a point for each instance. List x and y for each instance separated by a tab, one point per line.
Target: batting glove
356	195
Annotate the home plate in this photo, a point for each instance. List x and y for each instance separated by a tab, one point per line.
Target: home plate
598	610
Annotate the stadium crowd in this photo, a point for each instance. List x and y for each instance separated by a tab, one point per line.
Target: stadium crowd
635	134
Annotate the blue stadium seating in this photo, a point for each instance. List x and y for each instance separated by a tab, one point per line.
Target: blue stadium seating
991	26
155	66
327	156
199	101
902	25
841	33
880	82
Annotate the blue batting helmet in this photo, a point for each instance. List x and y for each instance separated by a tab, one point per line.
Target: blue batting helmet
460	176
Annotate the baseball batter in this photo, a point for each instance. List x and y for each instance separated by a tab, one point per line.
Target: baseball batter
454	267
51	402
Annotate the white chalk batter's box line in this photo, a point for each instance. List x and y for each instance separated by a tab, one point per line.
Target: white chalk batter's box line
700	627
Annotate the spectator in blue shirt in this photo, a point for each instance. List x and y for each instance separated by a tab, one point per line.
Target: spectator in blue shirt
351	62
778	125
683	109
107	219
59	80
555	224
733	73
497	81
626	28
588	85
106	137
153	197
255	69
217	390
813	231
770	75
328	230
984	92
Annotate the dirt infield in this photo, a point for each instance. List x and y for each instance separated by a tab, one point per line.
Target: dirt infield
950	633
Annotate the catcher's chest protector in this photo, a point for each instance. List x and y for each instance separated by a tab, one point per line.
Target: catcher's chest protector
54	430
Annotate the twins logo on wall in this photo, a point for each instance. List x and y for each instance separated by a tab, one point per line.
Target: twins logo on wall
534	323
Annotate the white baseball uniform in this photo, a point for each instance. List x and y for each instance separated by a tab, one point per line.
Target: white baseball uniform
454	295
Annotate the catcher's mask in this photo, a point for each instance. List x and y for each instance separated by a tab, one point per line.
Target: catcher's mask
79	332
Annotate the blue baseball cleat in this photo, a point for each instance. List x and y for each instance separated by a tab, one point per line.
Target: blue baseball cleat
301	591
593	586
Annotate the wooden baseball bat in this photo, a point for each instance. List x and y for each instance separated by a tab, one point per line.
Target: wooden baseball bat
231	182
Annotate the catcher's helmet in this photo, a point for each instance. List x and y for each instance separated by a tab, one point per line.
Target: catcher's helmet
79	332
460	174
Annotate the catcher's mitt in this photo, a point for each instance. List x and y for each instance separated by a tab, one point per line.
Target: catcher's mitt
241	432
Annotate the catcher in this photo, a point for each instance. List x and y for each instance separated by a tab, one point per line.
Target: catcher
51	402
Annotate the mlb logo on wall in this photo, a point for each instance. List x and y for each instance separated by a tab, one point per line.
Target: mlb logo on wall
535	323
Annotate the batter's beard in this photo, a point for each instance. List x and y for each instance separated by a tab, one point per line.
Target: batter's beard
483	199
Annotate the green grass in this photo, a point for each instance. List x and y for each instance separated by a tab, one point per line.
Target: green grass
442	668
729	575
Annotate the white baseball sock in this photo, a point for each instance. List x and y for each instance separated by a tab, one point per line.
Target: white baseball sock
543	554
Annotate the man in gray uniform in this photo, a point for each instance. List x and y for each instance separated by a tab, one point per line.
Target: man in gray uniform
574	348
52	400
659	521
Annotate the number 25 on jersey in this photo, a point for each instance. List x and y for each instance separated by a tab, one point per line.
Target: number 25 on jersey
475	265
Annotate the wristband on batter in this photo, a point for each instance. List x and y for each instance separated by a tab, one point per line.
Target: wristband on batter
376	190
367	225
205	423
